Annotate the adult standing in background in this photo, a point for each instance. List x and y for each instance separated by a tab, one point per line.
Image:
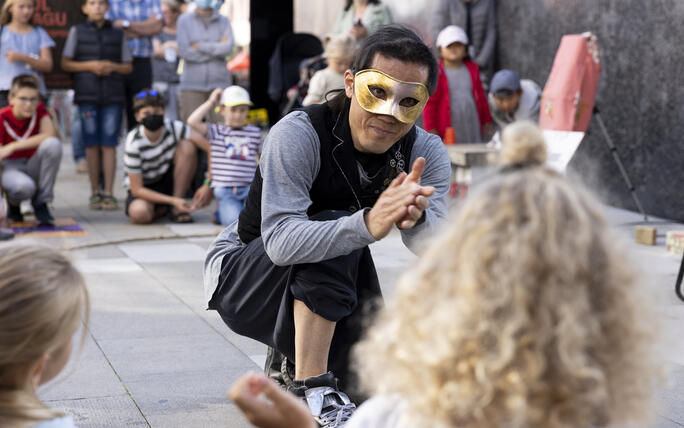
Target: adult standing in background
205	39
165	62
140	20
359	18
478	18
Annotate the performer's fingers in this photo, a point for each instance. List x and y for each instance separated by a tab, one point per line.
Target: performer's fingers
417	170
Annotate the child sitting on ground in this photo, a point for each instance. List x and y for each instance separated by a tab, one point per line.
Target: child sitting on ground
160	159
339	52
459	102
29	151
98	56
235	149
43	301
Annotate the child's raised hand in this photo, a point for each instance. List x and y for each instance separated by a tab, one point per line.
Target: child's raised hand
215	96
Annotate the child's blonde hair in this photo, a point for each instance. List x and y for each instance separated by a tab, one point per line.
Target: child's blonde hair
6	14
43	299
339	46
524	312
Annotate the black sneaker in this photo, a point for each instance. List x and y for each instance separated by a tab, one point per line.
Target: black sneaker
14	213
330	407
274	366
43	215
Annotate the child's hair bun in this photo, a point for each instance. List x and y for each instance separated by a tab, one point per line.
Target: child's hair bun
523	145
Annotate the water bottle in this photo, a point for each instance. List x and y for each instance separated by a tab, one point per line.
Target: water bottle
170	55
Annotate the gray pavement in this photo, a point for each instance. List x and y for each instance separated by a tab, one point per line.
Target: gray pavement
153	356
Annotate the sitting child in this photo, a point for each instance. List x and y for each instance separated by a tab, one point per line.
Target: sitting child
339	52
43	302
160	159
29	151
512	99
235	149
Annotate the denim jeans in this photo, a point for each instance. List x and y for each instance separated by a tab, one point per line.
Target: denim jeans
77	146
100	124
231	200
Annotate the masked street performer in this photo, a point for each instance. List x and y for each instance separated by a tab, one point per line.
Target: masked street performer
295	272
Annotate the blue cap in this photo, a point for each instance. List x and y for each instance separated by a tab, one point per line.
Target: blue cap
505	82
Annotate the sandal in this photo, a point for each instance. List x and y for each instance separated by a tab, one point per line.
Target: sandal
95	201
177	217
109	203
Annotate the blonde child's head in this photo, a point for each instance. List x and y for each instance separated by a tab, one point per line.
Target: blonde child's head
523	313
339	52
20	10
43	300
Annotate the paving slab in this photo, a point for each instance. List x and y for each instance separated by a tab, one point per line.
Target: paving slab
102	412
140	358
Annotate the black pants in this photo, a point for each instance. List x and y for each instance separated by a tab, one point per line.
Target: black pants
255	298
139	79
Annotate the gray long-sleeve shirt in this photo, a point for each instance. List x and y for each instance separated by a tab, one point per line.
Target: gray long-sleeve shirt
204	67
289	165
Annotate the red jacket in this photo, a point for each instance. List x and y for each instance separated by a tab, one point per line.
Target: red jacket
437	112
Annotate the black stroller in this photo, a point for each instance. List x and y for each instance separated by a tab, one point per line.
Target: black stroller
296	58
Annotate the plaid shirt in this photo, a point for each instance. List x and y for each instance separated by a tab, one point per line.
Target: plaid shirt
135	10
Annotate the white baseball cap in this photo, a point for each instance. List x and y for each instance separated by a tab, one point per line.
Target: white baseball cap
451	34
235	96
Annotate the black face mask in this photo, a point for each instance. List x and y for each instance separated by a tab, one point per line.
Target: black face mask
153	122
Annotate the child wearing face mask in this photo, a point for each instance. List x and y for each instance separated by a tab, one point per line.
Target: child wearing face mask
160	159
459	102
97	54
339	52
43	302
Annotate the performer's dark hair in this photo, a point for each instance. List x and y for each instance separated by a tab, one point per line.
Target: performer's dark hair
397	42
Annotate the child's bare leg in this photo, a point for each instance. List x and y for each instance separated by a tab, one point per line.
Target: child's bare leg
109	167
184	166
93	159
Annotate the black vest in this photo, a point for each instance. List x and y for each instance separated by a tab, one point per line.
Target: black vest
337	185
94	44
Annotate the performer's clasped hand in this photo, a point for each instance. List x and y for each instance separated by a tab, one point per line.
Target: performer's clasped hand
401	204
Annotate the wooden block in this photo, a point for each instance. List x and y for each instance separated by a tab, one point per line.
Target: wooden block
674	241
645	235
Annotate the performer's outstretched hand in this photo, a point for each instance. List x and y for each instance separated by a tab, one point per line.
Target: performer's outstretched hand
266	405
402	203
415	211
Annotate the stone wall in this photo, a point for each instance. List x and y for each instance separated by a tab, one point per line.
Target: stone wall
641	91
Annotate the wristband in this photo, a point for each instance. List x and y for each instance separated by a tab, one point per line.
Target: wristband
207	181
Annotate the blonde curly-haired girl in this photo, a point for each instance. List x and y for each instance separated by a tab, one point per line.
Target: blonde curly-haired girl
43	300
524	313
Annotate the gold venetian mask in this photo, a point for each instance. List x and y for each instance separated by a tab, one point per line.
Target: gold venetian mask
380	93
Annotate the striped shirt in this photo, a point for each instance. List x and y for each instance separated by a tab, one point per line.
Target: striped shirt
152	160
233	154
